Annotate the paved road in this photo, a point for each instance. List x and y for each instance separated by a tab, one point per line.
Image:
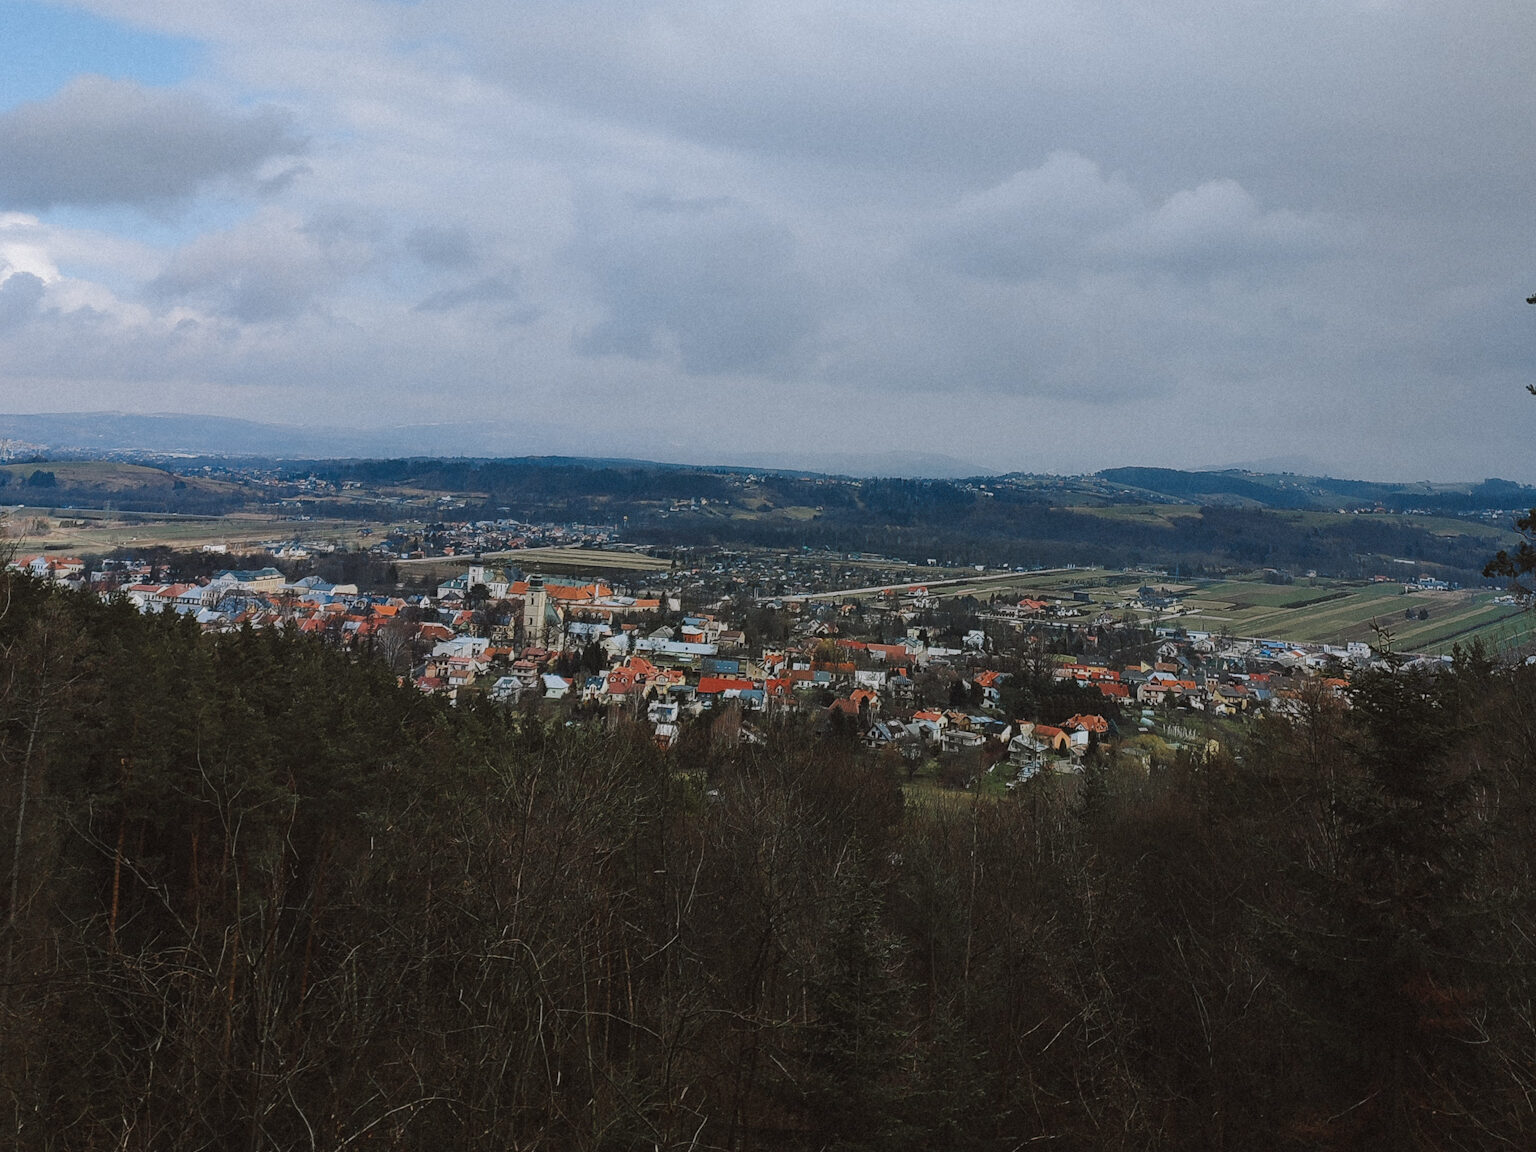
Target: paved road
875	589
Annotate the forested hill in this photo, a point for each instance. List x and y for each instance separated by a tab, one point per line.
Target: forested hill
1288	490
1192	521
258	897
575	478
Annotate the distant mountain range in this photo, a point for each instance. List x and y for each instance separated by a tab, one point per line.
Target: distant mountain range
121	433
158	436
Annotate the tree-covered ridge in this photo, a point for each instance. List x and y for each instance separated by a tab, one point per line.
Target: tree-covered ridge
1117	518
259	897
1216	520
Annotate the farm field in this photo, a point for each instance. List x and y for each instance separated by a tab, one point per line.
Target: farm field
1162	515
1252	593
93	530
1335	615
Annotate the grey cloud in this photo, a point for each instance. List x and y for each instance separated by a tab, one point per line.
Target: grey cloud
273	185
491	290
101	142
441	247
340	230
706	279
266	269
1345	104
20	295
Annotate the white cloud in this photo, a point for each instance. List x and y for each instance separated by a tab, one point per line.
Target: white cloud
1067	218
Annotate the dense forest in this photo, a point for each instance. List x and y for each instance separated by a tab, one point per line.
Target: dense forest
256	896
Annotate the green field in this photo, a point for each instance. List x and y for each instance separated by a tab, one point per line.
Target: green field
1340	613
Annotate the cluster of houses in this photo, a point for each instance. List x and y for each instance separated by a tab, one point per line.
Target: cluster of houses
588	643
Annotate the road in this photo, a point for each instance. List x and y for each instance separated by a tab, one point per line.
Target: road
876	589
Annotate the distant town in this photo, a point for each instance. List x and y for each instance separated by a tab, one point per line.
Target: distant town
973	675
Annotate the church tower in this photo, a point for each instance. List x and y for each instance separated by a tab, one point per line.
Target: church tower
535	608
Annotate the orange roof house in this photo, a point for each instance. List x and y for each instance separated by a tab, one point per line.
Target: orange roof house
1053	736
714	685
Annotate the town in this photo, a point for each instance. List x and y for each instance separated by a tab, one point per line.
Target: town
956	677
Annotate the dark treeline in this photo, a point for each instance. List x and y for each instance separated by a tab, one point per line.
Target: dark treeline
533	480
259	897
183	500
339	567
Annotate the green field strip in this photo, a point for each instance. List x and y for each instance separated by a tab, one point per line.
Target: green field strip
1349	618
1508	634
1315	614
1451	626
1291	603
1353	621
1294	625
1269	595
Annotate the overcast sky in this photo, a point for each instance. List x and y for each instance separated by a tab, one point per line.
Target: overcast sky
1042	237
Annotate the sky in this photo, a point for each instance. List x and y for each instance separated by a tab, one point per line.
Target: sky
1033	237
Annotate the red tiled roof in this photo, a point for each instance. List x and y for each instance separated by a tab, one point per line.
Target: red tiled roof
709	685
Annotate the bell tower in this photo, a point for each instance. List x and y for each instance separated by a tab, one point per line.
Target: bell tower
535	608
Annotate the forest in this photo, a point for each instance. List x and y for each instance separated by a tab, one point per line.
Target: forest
258	896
